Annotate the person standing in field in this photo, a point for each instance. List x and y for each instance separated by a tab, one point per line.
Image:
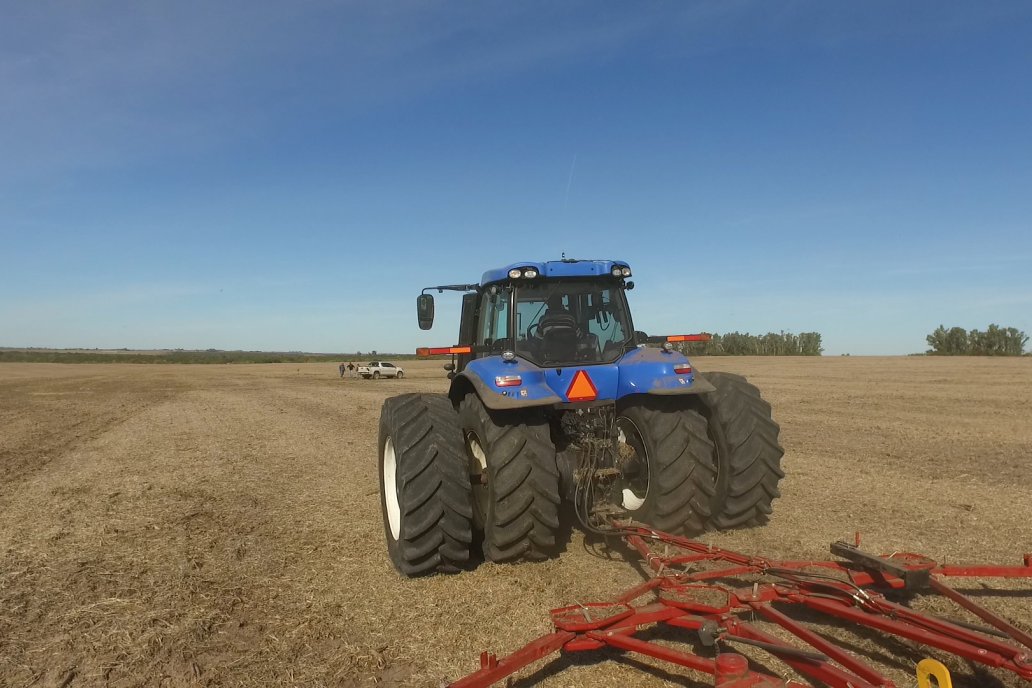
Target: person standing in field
341	367
351	369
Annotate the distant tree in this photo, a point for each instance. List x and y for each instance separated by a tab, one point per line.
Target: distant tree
745	344
995	341
958	342
810	344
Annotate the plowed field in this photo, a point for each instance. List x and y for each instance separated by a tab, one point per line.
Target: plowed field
220	525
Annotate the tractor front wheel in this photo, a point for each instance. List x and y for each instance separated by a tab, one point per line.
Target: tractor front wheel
512	466
748	453
668	465
424	485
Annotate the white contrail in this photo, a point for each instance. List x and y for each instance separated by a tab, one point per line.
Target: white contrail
569	181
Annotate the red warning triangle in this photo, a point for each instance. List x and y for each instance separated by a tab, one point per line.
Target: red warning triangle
581	388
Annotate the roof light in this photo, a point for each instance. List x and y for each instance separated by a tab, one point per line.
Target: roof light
515	273
667	347
509	356
625	271
530	273
617	271
508	381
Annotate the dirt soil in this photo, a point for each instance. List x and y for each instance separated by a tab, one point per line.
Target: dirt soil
220	524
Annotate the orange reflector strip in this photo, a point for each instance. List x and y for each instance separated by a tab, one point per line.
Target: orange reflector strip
424	351
689	337
581	388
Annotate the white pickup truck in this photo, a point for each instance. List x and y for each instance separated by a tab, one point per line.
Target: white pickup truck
378	369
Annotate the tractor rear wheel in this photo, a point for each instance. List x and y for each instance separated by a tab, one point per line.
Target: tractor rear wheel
424	485
511	462
668	464
748	453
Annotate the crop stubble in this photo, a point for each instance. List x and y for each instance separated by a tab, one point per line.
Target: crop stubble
220	525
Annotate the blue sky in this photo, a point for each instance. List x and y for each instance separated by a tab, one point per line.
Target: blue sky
289	175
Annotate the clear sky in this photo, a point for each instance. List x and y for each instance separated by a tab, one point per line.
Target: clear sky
289	175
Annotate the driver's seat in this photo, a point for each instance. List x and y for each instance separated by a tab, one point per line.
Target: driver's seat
554	323
558	332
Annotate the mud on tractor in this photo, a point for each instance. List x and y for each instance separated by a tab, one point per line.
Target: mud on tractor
554	395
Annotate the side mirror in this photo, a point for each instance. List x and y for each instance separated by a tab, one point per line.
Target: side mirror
449	366
425	311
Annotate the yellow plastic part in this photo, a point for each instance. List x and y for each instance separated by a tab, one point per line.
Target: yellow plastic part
930	668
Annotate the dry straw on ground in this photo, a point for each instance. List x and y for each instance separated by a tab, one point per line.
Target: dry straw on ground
220	525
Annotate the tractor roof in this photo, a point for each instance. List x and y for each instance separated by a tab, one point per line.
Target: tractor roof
557	268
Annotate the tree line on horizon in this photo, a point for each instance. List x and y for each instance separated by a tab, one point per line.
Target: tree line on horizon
201	357
995	341
745	344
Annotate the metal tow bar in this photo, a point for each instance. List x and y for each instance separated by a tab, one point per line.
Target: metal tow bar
699	588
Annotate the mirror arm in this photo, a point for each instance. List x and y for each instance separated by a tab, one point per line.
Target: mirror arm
452	287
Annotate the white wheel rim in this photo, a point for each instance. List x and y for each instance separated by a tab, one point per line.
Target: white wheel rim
478	453
478	467
390	488
631	501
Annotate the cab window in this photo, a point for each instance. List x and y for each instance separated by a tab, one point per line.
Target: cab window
494	318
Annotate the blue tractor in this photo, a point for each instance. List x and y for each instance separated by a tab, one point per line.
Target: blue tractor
555	396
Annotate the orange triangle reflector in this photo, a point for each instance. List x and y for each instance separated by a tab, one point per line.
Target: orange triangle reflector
582	388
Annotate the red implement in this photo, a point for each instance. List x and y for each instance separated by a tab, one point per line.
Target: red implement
705	590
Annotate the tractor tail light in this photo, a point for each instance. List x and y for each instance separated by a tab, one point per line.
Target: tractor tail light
508	381
683	369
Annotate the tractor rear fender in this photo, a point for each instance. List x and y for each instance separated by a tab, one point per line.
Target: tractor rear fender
488	377
651	371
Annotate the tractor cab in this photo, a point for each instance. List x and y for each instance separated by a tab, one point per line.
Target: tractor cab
556	322
539	334
551	314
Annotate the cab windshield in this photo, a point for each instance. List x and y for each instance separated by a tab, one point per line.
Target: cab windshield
558	322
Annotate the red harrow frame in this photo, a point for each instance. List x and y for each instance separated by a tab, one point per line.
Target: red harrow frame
703	589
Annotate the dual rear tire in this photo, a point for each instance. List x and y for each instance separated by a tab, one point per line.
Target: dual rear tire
714	460
436	483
